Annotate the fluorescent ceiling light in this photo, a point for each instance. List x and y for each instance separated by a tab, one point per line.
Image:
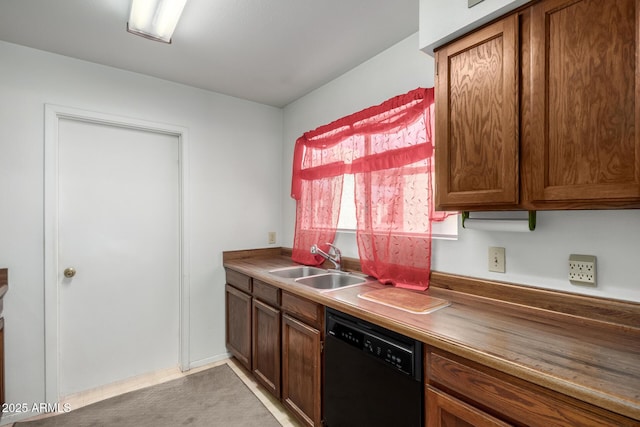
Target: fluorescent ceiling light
155	19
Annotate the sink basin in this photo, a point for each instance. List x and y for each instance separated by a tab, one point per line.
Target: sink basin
331	280
295	272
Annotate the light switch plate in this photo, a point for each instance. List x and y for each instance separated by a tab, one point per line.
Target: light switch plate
272	237
497	260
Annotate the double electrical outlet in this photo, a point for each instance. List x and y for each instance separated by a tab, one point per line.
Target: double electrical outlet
582	269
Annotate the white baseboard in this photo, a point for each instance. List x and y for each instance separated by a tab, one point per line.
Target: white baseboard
209	360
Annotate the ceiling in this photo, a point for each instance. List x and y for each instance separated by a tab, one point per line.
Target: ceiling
267	51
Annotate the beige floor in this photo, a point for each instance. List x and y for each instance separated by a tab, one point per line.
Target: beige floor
86	398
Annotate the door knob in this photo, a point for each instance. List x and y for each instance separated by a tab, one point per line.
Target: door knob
69	272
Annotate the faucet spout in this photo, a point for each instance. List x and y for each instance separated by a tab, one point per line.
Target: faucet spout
335	259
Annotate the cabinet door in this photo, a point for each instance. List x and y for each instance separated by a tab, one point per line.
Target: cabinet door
1	358
266	346
476	124
238	325
301	352
585	143
446	411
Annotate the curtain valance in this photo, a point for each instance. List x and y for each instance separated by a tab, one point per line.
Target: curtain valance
339	147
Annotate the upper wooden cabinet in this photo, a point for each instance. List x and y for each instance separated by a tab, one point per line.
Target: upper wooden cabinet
476	99
541	110
585	103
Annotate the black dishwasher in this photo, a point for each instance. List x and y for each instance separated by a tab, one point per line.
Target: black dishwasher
372	376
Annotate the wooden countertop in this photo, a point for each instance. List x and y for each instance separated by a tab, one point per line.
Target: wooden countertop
593	361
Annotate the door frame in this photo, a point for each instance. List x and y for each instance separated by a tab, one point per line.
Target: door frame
53	114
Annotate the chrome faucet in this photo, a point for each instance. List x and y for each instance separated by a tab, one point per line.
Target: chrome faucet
336	258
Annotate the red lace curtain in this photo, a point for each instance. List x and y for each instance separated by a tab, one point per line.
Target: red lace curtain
389	149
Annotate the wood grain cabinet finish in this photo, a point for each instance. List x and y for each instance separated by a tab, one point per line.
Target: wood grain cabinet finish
447	411
266	292
277	335
303	309
301	370
239	281
238	324
541	110
499	396
585	103
476	101
266	346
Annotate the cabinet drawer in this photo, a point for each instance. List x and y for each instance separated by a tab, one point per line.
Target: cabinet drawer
513	399
265	292
442	409
303	309
239	280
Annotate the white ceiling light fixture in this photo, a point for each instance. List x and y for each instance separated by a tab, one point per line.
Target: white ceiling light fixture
155	19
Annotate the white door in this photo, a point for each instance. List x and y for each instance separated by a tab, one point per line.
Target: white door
118	227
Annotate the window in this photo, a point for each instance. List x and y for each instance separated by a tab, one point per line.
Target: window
446	229
381	160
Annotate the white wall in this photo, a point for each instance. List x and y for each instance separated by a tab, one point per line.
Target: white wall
538	259
235	177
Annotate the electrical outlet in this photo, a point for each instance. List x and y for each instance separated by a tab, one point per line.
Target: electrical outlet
496	260
272	237
582	269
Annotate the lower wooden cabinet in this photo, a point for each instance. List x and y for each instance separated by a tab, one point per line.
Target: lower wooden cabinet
464	393
277	336
446	411
238	324
301	370
266	346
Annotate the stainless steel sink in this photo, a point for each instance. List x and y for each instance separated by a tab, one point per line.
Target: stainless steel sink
318	278
331	280
295	272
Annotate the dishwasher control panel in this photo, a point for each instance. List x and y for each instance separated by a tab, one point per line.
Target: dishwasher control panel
397	354
399	357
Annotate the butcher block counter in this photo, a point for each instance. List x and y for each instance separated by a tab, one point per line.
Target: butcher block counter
584	347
